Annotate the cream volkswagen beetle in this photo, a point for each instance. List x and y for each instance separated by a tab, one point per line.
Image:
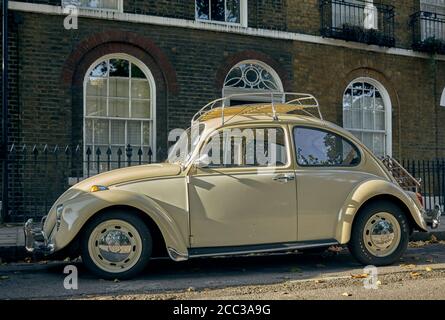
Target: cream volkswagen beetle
323	187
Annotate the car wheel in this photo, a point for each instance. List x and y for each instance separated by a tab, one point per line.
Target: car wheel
116	245
380	234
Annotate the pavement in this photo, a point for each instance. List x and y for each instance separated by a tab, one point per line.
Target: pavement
12	240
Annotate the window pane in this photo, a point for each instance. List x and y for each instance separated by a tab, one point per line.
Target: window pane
101	132
119	68
140	89
134	133
97	87
88	131
140	109
146	134
379	144
368	122
380	120
100	70
118	132
96	106
233	11
202	9
110	4
321	148
217	10
119	87
118	108
136	72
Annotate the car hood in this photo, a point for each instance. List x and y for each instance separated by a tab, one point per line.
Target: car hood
129	174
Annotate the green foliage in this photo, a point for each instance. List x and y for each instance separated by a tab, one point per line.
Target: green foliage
432	45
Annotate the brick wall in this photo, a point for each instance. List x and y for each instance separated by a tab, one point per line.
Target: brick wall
326	72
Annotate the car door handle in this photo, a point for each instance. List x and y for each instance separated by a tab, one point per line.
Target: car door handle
283	178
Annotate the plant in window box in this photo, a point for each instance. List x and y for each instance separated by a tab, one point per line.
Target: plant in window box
432	45
353	33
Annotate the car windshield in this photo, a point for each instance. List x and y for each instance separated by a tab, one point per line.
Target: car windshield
183	149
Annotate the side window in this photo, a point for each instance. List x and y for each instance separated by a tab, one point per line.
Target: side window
246	147
316	147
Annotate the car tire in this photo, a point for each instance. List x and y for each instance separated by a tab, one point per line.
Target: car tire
116	245
380	234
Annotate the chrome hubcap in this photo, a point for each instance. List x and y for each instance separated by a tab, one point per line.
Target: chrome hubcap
115	246
382	234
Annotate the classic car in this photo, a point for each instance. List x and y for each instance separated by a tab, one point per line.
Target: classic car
284	180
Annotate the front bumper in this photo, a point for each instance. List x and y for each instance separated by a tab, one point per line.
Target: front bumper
432	217
36	240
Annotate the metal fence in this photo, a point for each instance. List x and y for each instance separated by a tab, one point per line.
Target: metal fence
431	174
428	32
360	21
38	175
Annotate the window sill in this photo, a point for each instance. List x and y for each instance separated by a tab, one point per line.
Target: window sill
221	23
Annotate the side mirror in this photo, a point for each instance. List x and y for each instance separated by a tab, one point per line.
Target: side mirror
202	162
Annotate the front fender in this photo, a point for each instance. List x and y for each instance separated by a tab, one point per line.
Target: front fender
365	191
79	210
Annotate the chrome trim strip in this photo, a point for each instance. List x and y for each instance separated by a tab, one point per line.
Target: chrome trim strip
264	250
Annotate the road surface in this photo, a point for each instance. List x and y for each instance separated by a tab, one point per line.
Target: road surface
419	275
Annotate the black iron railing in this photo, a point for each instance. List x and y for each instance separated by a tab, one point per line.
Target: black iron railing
38	175
360	21
428	32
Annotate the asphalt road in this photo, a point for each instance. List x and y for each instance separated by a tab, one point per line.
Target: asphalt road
420	274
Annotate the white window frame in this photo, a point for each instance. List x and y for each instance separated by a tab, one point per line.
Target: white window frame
76	3
227	91
152	119
243	15
388	111
442	99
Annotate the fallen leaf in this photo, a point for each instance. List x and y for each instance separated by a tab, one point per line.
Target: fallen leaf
359	276
346	294
408	266
429	269
320	281
415	274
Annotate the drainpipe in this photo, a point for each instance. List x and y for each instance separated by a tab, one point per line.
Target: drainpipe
4	143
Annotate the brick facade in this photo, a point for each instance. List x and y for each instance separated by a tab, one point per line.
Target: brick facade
48	66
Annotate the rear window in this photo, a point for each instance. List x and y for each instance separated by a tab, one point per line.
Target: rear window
321	148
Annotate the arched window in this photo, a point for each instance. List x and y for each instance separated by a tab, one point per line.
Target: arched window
367	114
251	76
119	107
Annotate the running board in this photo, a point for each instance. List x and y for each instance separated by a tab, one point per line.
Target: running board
262	248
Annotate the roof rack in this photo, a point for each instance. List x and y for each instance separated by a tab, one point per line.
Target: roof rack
280	103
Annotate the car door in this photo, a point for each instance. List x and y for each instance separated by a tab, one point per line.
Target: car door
328	168
238	199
